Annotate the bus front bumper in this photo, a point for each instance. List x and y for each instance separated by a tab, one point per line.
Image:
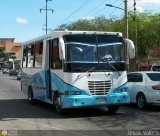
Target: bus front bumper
77	101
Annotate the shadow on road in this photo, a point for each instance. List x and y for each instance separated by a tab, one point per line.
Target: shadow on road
20	108
126	117
149	108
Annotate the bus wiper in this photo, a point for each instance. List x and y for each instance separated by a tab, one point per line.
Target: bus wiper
105	59
87	71
81	75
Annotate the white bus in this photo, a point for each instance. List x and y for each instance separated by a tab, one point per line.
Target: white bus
74	69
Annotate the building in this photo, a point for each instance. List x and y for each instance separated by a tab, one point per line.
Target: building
13	49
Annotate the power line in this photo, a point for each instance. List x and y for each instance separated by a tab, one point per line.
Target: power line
102	3
115	8
100	11
78	9
82	6
115	2
86	3
96	7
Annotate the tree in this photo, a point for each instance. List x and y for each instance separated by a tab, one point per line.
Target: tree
148	29
3	55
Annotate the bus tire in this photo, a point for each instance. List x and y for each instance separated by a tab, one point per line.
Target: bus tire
31	96
57	103
113	109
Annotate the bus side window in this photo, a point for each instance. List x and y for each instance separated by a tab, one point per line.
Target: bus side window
30	56
38	54
56	63
24	62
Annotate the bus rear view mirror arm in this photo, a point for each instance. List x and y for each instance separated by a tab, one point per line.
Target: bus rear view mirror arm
131	48
61	48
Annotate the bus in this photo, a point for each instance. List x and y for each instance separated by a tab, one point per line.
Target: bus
76	69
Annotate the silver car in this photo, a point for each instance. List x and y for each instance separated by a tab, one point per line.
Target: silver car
5	70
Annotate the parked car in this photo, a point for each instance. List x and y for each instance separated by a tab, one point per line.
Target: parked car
19	75
13	72
149	67
5	70
144	88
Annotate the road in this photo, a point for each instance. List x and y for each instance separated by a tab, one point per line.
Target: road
18	117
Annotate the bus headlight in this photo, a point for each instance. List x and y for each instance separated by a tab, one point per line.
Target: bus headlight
72	93
122	90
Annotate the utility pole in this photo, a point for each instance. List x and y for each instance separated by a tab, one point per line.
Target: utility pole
136	48
46	8
126	18
126	32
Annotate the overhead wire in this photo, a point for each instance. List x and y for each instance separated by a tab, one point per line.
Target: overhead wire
115	9
122	15
78	9
96	7
115	1
100	10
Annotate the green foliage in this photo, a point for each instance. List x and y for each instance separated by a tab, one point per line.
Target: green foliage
96	24
147	24
3	55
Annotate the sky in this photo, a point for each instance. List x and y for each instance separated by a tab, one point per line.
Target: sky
22	20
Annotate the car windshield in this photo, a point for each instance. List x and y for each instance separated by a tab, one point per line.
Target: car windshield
154	76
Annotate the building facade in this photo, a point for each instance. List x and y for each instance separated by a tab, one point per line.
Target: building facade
13	49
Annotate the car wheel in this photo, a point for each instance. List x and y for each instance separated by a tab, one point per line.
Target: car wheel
112	109
57	103
141	101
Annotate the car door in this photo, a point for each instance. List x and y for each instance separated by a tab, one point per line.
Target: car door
135	83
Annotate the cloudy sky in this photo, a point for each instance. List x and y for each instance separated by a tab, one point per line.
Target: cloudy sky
21	19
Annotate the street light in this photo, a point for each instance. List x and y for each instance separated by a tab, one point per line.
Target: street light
109	5
126	27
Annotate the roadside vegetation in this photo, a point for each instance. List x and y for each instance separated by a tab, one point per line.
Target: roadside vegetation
146	24
3	54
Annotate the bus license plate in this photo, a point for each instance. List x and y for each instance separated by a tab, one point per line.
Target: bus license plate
100	100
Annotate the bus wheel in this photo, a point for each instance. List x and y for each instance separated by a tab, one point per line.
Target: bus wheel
30	96
57	103
112	109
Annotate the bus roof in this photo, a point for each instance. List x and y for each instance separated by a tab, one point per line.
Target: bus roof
55	34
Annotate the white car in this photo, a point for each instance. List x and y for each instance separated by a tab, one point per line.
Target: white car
144	88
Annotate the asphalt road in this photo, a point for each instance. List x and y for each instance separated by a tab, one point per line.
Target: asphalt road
20	118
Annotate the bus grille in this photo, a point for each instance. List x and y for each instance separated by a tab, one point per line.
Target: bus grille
99	87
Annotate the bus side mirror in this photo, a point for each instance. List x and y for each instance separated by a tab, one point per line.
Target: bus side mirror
131	48
61	49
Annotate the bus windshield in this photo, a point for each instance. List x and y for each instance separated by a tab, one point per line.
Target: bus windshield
90	50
